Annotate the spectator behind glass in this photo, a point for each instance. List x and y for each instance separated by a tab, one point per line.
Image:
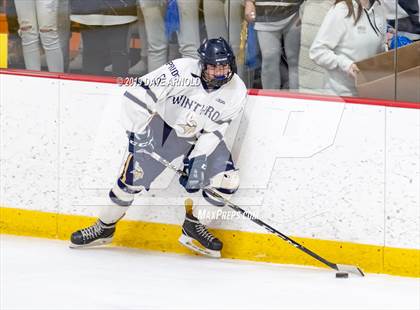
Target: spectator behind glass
64	33
140	68
310	74
15	54
158	44
220	24
408	17
351	31
104	29
38	22
276	21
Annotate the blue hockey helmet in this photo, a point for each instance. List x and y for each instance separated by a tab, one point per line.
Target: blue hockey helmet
217	52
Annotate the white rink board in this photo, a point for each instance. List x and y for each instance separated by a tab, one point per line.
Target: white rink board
325	170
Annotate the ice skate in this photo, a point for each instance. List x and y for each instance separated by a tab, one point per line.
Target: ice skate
196	237
97	234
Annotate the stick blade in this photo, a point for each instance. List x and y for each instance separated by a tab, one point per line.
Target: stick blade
350	268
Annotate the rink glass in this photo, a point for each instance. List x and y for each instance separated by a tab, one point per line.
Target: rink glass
211	18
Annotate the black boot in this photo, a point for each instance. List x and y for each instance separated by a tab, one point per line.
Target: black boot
97	234
196	237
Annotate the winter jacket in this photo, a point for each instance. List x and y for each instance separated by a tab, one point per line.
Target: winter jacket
340	42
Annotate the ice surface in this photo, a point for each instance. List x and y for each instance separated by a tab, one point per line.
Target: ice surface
46	274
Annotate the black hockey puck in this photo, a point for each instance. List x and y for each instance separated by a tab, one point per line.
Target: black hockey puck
343	275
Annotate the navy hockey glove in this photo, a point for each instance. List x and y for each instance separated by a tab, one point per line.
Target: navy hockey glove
139	142
195	169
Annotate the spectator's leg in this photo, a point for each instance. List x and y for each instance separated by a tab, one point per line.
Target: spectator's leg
95	50
141	66
64	30
189	32
156	38
218	24
270	44
117	43
47	13
28	30
15	52
77	62
215	19
235	27
143	36
291	47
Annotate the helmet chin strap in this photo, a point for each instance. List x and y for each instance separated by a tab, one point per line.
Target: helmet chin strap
220	77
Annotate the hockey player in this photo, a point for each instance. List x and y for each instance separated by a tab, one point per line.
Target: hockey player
181	109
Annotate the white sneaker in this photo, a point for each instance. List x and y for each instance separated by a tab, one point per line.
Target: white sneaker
76	63
108	68
140	68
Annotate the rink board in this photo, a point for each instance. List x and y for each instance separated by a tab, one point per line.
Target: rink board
341	175
3	50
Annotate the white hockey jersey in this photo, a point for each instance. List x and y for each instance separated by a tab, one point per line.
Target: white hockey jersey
175	92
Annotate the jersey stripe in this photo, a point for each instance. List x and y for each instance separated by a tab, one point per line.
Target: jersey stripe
223	122
149	92
218	134
138	101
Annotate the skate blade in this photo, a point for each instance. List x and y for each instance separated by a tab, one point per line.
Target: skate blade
188	242
95	243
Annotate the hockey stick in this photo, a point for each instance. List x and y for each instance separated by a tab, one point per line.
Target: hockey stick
338	267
